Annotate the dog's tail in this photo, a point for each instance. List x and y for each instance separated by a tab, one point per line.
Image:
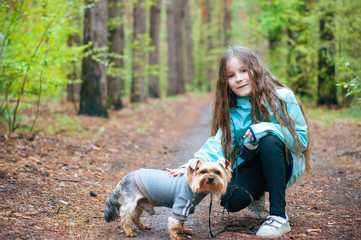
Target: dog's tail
111	211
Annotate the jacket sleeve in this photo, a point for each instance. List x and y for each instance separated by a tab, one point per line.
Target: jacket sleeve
260	130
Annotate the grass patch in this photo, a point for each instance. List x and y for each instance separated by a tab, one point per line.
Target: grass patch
69	126
335	116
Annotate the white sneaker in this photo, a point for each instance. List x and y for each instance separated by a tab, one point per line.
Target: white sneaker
274	227
258	209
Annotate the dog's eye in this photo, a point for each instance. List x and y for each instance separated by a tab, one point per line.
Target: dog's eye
218	172
204	172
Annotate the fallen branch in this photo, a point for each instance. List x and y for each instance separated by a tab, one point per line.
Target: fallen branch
66	180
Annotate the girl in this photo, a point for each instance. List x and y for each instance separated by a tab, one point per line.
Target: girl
259	125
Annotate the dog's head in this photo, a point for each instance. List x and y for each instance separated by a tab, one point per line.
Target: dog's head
210	177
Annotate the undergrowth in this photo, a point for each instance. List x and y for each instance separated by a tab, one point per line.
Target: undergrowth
328	115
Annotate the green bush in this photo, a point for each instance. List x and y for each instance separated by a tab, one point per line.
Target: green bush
35	57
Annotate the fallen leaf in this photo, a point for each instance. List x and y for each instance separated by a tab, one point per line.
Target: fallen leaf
18	215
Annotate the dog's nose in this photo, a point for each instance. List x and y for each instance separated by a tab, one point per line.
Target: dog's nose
210	179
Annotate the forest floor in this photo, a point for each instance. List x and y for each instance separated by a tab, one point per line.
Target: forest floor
55	185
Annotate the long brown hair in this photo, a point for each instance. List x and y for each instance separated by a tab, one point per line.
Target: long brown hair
264	86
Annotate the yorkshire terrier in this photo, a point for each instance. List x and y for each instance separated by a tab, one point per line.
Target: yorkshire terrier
145	188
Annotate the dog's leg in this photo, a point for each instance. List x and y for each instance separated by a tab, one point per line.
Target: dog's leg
184	230
175	226
126	213
137	221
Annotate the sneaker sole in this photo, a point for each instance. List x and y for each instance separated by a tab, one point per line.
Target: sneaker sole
286	230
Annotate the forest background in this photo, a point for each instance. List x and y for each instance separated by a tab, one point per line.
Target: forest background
148	66
105	54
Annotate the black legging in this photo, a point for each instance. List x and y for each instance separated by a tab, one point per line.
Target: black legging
267	171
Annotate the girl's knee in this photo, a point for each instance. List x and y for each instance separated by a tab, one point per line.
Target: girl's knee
235	202
270	140
271	147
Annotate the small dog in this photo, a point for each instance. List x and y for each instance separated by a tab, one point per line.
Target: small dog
146	188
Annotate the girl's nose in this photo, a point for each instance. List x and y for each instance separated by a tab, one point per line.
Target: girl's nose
238	77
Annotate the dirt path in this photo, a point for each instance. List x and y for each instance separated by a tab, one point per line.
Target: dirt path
48	184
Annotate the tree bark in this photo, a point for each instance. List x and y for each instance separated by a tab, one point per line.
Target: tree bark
116	43
175	53
93	96
154	90
207	40
189	43
327	90
138	93
227	21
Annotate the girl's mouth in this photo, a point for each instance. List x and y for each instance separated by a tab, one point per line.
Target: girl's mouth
242	86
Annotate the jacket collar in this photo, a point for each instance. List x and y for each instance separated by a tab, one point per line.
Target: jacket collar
243	102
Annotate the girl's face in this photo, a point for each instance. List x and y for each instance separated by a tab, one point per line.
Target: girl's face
238	78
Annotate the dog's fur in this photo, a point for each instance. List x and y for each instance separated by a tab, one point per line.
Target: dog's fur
128	202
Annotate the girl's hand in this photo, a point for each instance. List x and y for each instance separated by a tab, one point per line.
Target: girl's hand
177	171
249	135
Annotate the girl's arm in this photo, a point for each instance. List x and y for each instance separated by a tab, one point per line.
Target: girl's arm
260	130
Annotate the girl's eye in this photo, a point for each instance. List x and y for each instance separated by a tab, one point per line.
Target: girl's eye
231	75
244	70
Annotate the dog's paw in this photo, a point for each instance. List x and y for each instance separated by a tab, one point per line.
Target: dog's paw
144	227
175	236
130	233
186	231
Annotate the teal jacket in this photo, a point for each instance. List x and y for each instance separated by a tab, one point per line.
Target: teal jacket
241	121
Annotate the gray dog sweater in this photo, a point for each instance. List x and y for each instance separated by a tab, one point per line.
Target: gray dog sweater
163	189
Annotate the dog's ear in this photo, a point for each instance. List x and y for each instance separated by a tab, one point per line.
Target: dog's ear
227	167
193	163
224	163
192	167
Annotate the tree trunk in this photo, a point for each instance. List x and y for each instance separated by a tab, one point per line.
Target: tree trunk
116	41
138	93
189	43
296	69
154	90
172	68
93	96
207	41
227	21
175	53
179	44
327	90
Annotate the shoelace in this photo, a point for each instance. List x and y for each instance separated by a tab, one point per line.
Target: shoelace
270	220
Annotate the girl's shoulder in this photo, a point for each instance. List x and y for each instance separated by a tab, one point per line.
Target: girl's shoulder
286	94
